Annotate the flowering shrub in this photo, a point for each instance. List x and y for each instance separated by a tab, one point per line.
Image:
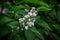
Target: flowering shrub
29	20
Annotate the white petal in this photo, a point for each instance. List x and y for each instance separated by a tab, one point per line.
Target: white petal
23	24
23	18
34	14
29	19
30	24
29	13
26	16
33	8
26	27
20	18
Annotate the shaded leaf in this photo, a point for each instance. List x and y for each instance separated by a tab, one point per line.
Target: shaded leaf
29	35
43	9
34	30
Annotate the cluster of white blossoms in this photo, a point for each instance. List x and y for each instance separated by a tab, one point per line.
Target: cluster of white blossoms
29	19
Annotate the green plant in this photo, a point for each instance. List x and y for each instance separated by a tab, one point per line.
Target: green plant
46	25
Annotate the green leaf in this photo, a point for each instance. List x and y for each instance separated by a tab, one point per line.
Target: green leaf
43	9
43	4
36	2
29	35
4	19
13	24
57	27
56	37
8	6
31	1
4	30
17	8
58	15
34	30
20	14
42	23
18	35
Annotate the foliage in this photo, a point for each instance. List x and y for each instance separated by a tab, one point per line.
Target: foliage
47	24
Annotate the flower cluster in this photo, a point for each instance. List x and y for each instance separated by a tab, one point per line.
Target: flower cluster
29	19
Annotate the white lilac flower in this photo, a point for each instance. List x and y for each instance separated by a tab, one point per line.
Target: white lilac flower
21	20
30	24
30	13
34	14
26	16
29	19
35	11
26	27
23	24
33	8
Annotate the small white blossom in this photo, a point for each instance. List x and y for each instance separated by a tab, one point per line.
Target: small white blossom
30	13
21	20
23	24
30	24
33	8
26	27
26	16
29	19
35	11
34	14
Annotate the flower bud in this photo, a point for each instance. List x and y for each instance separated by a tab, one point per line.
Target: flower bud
34	14
33	8
21	20
29	19
30	13
26	16
26	27
30	24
